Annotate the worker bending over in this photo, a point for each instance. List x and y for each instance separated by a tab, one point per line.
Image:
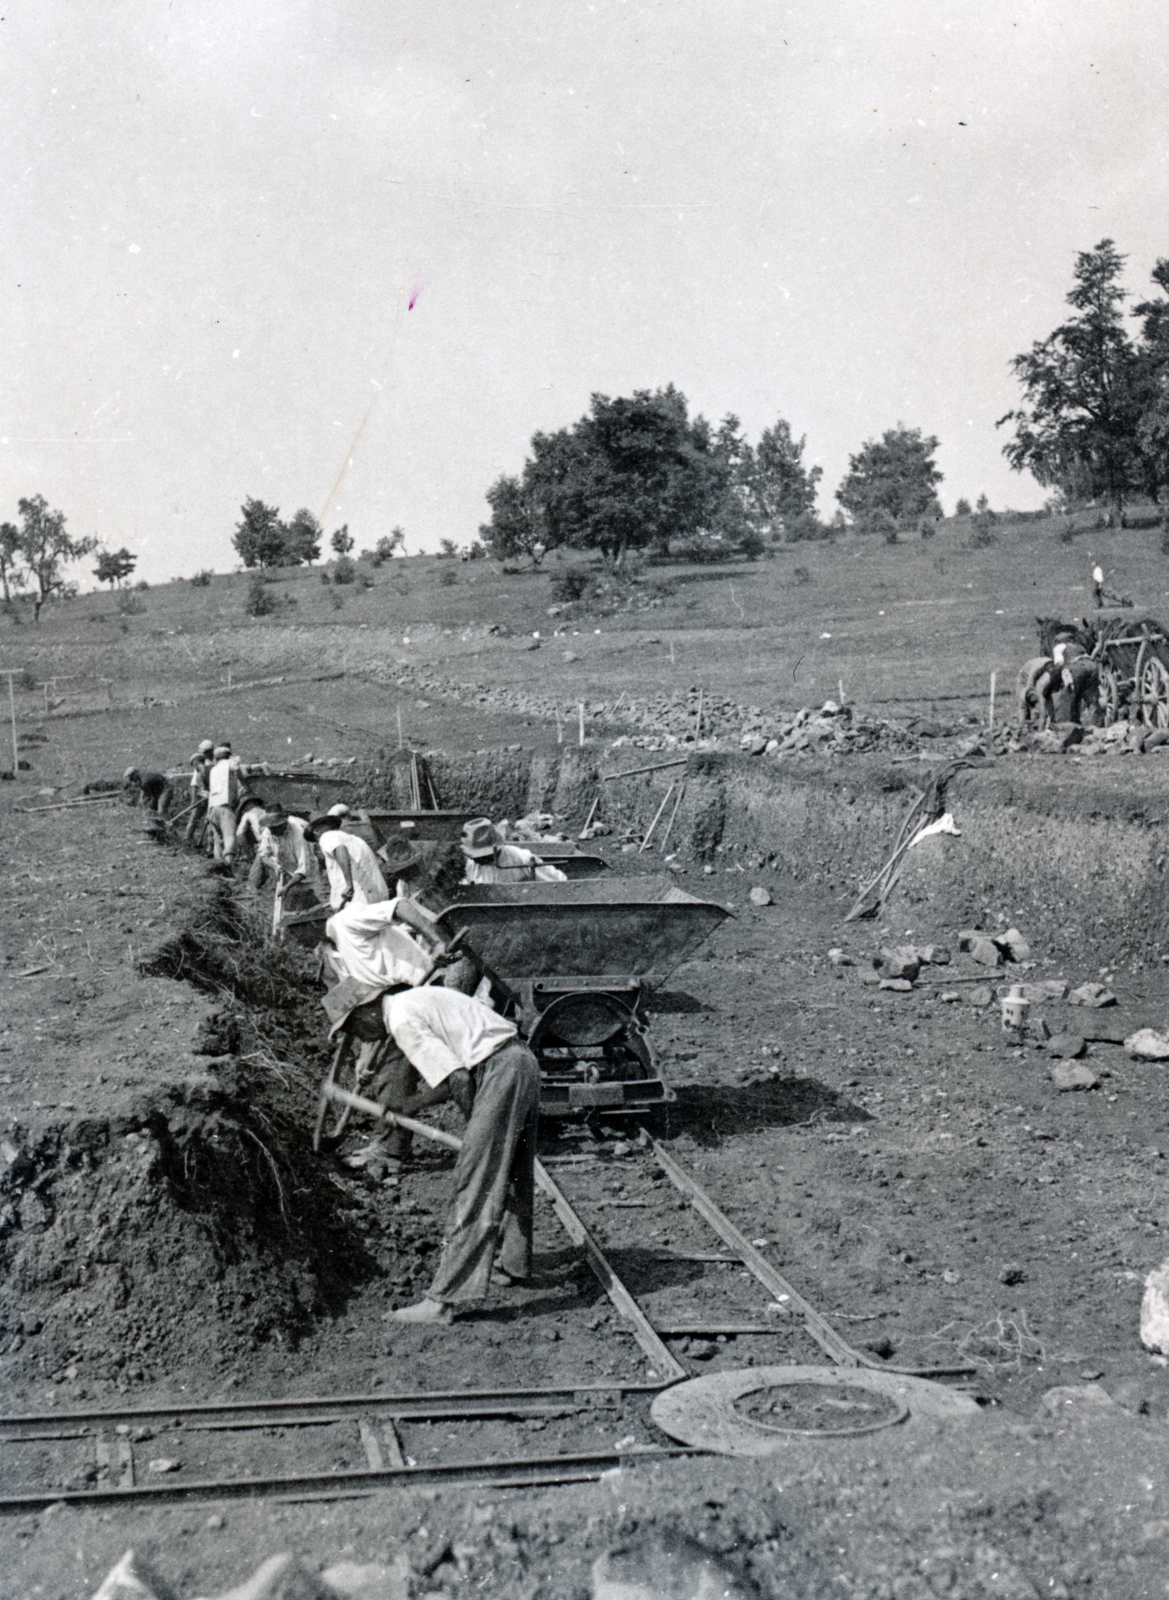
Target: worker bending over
468	1053
488	858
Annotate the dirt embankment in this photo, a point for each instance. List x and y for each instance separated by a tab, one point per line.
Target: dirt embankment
160	1208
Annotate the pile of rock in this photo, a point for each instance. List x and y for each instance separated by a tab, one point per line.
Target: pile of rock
282	1577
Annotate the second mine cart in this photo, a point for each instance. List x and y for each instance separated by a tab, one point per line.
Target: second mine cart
576	963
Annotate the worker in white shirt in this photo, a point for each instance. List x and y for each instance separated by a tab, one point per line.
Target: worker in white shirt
224	793
490	859
354	873
285	852
466	1052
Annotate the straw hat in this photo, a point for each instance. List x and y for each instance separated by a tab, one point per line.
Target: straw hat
479	838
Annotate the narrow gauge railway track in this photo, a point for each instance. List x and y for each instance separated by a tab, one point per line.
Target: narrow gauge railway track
377	1427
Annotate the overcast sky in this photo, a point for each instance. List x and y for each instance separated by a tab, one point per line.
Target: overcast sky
351	255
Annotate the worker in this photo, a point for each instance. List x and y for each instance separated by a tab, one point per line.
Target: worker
285	851
354	873
201	763
490	859
467	1053
224	793
356	822
146	788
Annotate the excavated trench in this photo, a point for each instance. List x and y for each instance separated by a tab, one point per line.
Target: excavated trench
199	1225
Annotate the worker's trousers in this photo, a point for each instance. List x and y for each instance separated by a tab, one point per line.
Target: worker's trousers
491	1218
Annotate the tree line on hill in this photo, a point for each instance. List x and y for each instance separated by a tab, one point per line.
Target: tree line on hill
639	473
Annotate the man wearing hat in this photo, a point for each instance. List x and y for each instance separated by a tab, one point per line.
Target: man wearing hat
354	873
200	767
466	1052
224	793
489	859
285	850
148	788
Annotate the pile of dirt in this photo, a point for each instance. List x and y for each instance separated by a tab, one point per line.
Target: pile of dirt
207	1182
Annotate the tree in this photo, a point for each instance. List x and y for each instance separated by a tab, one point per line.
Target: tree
894	478
113	566
260	535
341	540
1153	382
46	548
781	490
1080	428
302	539
384	549
10	574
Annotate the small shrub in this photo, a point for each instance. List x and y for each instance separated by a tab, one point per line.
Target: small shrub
344	570
260	602
129	604
801	575
365	581
510	570
806	527
142	584
448	576
325	578
927	527
752	544
202	580
337	601
475	551
962	509
570	585
447	549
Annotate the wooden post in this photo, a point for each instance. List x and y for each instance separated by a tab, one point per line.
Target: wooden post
673	816
559	728
592	813
841	687
698	719
993	679
399	725
11	673
671	652
580	723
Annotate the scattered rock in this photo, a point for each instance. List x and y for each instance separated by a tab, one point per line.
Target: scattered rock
1076	1397
760	897
134	1579
838	958
651	1567
369	1581
1011	1273
1092	994
1155	1310
162	1464
569	655
982	995
1068	1046
280	1578
1071	1075
1046	989
902	962
980	947
900	985
1146	1044
1014	944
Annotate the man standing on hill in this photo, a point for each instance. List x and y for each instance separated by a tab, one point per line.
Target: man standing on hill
354	873
224	792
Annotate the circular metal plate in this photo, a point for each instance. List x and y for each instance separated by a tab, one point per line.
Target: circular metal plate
718	1412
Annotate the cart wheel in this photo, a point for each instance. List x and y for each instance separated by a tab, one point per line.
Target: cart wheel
1109	695
331	1118
1154	693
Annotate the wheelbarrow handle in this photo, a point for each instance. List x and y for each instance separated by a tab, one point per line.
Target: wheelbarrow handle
440	961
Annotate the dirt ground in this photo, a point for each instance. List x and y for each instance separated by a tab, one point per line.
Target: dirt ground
913	1172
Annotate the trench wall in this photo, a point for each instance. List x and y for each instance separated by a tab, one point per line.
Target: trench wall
1071	862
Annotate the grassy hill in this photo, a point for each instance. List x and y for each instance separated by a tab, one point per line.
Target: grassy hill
901	627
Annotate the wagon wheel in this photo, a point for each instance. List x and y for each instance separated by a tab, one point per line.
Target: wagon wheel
331	1117
1109	694
1154	692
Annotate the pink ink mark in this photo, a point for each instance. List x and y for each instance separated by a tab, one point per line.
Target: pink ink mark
414	294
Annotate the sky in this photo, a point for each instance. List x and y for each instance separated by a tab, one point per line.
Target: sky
351	254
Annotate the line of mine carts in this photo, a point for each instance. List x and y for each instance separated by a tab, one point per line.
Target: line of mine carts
514	914
1097	673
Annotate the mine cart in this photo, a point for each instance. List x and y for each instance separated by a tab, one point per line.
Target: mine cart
576	962
444	826
1134	670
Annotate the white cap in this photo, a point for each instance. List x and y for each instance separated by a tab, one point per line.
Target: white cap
339	810
1097	574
